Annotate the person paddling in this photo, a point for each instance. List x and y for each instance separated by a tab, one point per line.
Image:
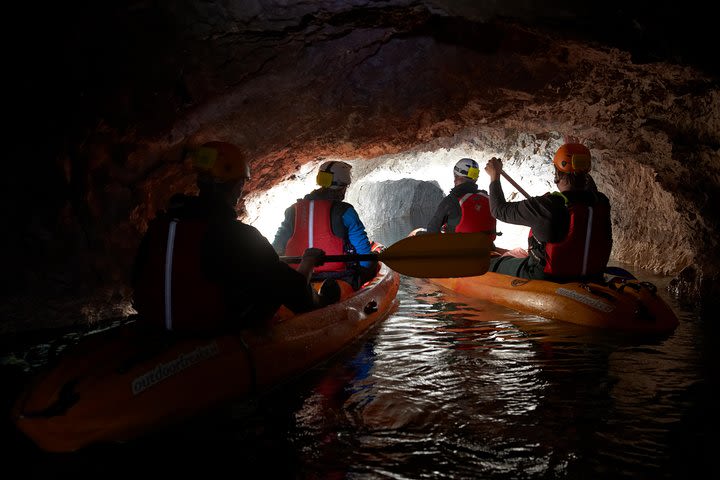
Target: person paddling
322	219
570	230
466	209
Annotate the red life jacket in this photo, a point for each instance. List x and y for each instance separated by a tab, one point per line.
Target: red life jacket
476	217
585	250
313	229
173	291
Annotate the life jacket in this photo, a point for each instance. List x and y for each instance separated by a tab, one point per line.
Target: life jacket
172	290
313	229
585	250
475	216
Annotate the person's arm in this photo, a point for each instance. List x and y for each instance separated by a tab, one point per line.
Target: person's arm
356	234
251	263
441	215
535	212
497	199
285	231
311	258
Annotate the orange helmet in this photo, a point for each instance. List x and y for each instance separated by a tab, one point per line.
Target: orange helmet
222	161
573	158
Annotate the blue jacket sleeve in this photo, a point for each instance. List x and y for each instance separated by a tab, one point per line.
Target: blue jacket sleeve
356	234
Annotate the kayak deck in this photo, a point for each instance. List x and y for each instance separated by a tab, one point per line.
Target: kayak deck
121	383
620	303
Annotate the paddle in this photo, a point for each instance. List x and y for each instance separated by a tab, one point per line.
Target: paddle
433	255
514	183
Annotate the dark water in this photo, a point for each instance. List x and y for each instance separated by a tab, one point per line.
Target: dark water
446	387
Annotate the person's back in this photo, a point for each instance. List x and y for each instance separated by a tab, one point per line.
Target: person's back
199	269
466	209
167	258
323	220
570	231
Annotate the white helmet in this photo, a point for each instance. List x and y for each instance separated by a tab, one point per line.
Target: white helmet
467	167
334	175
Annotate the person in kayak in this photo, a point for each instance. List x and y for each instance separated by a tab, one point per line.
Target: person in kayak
323	220
570	230
199	269
466	209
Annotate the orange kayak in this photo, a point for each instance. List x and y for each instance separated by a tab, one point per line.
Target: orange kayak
119	384
620	303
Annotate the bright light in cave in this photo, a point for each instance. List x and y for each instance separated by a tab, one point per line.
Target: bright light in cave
265	210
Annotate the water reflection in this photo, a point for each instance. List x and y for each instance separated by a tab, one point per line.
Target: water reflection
451	388
473	391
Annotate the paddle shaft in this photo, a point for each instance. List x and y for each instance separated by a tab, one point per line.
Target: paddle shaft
514	183
356	257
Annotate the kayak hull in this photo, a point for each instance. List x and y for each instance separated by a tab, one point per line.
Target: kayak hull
621	304
120	384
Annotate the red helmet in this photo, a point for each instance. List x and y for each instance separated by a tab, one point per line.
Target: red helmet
573	158
223	161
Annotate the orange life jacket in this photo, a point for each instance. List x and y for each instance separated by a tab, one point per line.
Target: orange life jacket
313	229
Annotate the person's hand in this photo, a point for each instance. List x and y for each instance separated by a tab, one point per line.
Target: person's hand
376	247
493	167
314	256
416	231
311	258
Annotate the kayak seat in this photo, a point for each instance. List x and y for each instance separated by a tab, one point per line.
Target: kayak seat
334	291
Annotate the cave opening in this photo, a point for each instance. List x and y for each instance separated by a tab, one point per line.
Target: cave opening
399	192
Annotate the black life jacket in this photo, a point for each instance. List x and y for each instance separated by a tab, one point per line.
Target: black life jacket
172	290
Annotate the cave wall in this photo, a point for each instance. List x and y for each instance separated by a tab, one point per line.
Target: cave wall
111	96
